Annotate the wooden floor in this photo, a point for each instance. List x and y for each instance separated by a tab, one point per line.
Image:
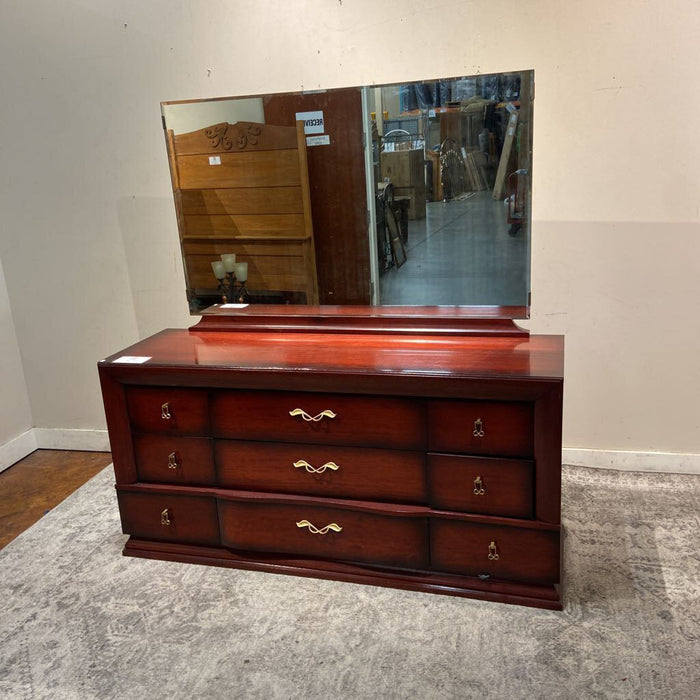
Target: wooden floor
33	486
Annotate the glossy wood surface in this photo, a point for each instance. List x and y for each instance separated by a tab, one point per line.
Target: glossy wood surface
505	486
497	428
528	555
175	460
370	422
192	519
361	473
363	537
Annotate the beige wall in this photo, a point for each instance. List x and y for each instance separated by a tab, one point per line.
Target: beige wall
15	415
191	116
89	239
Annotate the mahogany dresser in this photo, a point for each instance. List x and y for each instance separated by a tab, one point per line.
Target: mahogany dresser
424	456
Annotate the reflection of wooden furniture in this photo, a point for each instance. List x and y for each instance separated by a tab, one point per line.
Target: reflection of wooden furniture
406	171
243	188
426	457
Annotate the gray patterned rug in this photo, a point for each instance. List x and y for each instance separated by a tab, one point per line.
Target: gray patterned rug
80	621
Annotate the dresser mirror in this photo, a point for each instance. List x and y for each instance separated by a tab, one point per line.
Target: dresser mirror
405	195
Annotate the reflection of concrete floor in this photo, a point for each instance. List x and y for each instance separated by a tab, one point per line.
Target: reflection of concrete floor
461	253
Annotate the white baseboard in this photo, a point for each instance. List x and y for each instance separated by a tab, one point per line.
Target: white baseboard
17	448
69	439
668	462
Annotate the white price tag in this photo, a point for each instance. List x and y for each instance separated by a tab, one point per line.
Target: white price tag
131	360
233	306
214	160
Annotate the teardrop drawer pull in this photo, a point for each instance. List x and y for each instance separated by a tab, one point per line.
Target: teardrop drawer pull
319	531
316	470
165	411
493	552
479	489
478	428
172	461
324	414
165	517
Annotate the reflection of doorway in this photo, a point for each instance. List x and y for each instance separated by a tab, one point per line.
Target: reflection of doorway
338	193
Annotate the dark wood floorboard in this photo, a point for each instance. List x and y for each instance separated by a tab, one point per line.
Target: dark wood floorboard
39	482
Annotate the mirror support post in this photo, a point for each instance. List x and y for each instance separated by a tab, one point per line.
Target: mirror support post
371	209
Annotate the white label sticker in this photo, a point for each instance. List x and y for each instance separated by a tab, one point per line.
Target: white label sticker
233	306
214	160
132	359
313	122
324	140
431	113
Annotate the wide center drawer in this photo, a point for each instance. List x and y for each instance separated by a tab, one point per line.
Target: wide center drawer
318	531
322	470
319	418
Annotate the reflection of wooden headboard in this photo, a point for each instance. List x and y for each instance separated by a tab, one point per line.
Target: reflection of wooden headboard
243	188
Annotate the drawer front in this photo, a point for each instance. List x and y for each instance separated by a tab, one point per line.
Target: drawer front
349	420
504	429
175	460
304	530
165	410
321	470
507	553
174	518
487	485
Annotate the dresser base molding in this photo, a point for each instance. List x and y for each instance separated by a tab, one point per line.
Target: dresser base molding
546	596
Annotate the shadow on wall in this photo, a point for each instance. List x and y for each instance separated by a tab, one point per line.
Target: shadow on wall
152	250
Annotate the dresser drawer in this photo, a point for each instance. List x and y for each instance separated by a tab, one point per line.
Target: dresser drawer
156	516
327	532
488	485
175	460
165	410
321	470
500	552
319	418
481	427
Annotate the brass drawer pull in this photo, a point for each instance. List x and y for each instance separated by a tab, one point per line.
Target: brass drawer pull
324	414
316	470
479	489
493	551
165	411
165	517
172	461
319	531
478	428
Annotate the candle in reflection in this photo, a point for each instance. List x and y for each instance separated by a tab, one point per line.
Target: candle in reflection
229	260
219	270
241	271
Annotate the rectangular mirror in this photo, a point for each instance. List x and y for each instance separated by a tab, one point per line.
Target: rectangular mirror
411	194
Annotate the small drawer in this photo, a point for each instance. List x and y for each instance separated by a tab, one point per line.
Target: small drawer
504	429
326	532
164	410
174	518
492	551
319	418
175	460
319	470
488	485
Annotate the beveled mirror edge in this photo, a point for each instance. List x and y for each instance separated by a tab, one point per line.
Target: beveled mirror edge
464	319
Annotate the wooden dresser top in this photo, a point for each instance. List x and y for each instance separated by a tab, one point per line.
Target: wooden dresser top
363	355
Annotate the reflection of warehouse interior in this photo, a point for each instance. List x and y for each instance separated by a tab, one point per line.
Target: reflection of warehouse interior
402	194
452	161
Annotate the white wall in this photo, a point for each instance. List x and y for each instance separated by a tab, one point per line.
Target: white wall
89	239
15	414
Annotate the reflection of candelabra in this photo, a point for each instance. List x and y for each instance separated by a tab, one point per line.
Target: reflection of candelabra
232	277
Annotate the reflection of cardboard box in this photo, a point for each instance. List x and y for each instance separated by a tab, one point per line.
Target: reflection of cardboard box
403	168
416	208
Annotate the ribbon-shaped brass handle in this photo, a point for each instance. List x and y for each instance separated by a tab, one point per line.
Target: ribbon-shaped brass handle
324	414
319	531
479	489
478	428
493	552
172	461
165	517
316	470
165	411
